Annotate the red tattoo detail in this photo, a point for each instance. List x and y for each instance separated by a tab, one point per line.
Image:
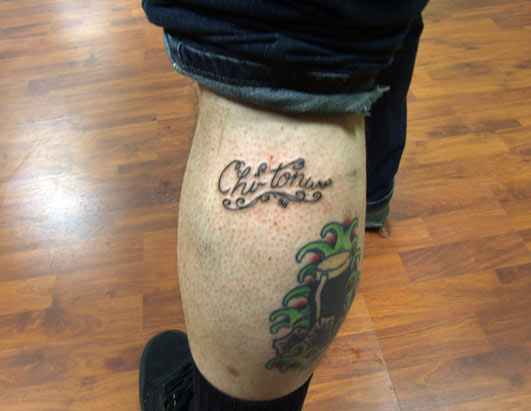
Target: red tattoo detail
315	258
308	280
300	303
330	239
347	221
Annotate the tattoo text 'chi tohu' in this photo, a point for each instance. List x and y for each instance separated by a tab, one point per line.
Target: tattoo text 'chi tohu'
243	186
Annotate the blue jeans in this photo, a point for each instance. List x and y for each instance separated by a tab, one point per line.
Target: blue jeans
306	57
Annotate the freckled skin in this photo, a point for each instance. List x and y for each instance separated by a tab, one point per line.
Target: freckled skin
229	291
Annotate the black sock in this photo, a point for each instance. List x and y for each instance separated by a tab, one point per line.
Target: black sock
209	398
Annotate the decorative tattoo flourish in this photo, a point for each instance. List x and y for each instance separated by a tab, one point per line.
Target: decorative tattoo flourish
312	312
286	182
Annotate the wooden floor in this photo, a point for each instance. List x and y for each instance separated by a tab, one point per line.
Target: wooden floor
94	131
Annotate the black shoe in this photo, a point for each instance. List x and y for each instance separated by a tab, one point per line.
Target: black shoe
166	378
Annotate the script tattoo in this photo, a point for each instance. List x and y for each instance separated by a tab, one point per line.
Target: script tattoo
245	187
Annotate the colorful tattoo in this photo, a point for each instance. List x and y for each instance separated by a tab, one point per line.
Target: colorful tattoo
312	312
244	188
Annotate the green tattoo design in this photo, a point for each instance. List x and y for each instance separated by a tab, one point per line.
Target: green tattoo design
312	312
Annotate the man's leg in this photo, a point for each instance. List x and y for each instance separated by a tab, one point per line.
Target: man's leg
269	249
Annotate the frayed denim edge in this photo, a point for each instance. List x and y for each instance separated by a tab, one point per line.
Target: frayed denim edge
384	200
377	211
286	100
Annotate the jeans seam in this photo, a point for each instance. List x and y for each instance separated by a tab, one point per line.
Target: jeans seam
383	200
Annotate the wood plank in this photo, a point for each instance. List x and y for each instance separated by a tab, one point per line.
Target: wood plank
116	281
483	220
440	198
355	352
66	360
358	318
373	392
507	324
453	148
93	253
381	272
518	212
350	356
71	320
515	188
526	236
498	379
93	392
421	342
26	295
452	297
406	234
162	310
464	257
518	140
56	231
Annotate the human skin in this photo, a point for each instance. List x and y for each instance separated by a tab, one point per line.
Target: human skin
237	260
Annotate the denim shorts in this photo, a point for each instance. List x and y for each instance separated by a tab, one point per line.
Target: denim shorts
297	57
306	57
189	61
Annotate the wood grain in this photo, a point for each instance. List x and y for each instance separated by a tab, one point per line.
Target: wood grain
95	128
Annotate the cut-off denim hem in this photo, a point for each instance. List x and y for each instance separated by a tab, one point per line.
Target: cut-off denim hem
279	99
375	217
377	211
